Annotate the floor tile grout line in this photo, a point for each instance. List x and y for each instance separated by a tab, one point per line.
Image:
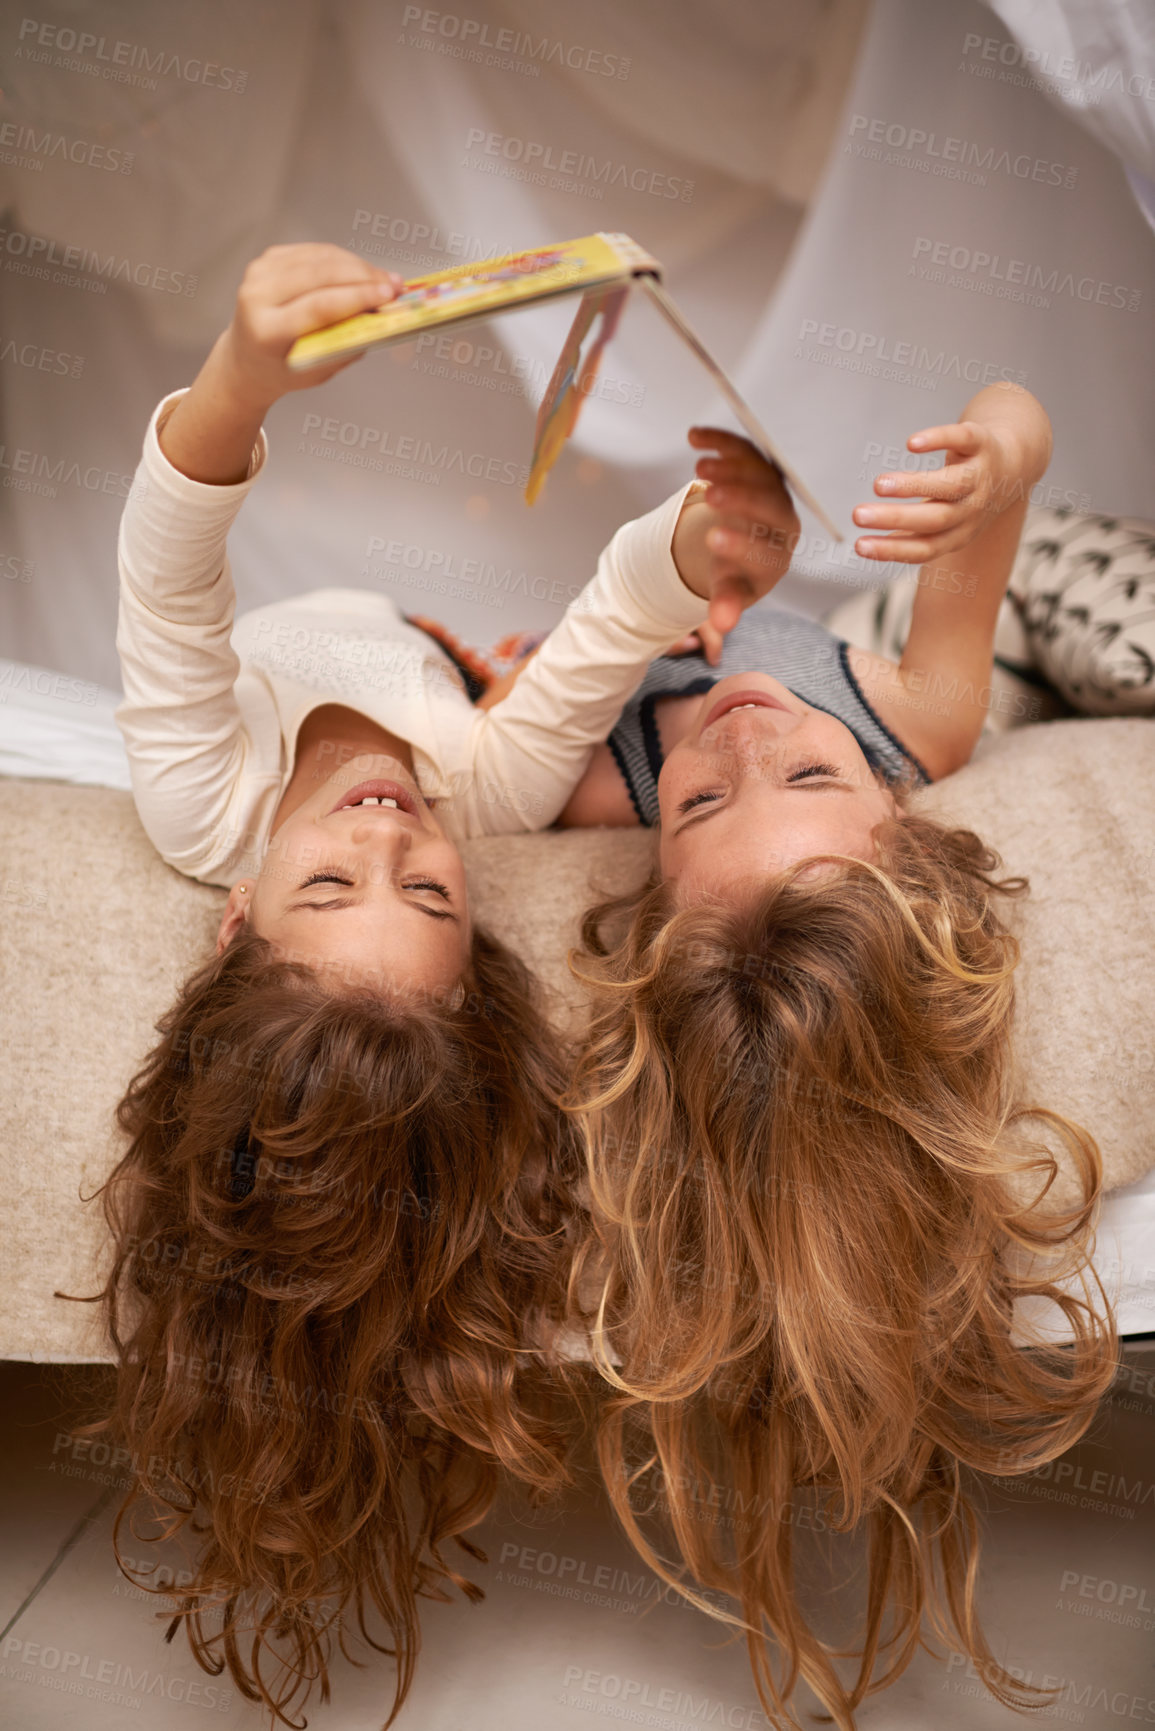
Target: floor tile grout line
70	1542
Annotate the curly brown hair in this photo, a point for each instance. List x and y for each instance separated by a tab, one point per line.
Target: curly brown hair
340	1232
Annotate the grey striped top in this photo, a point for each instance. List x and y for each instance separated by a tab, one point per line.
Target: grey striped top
808	659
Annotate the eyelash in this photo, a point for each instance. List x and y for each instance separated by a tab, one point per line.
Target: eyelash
418	884
808	769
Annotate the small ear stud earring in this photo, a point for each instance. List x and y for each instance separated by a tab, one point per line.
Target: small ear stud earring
243	889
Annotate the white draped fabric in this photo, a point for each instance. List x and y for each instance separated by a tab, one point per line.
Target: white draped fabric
1097	62
792	166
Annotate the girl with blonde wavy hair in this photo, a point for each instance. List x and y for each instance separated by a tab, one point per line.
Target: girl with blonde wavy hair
816	1199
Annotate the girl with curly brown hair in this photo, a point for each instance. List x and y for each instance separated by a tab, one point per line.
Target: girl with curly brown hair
341	1223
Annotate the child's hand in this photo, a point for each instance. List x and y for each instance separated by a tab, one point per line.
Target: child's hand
284	293
704	641
733	543
991	463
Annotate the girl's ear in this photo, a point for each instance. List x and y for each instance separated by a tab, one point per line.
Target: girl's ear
236	915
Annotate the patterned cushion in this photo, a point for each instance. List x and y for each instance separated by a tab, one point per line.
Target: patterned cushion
879	620
1085	587
1076	631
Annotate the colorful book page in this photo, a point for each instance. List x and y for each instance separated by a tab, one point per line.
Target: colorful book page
573	379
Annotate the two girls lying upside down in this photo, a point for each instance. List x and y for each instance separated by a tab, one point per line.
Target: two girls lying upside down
770	1184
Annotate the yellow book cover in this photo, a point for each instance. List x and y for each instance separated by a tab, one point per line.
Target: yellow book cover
477	291
600	267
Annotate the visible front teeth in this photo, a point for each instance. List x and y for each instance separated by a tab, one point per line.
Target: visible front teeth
745	706
371	799
391	802
368	801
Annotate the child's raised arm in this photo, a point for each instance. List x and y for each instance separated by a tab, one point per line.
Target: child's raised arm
964	536
285	292
202	453
712	550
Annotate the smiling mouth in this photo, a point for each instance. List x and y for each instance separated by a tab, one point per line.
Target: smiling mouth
741	700
392	795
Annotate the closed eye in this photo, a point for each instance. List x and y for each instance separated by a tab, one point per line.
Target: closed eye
809	769
438	889
697	799
428	884
813	769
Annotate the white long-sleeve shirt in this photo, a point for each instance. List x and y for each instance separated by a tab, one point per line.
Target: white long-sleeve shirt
211	712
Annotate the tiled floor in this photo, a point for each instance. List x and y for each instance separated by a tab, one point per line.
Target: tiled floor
1068	1595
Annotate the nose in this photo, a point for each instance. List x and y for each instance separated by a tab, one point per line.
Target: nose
387	840
750	730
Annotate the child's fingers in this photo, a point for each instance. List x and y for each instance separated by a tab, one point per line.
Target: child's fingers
911	549
760	504
337	367
711	640
313	312
953	482
909	519
318	375
718	439
281	274
746	470
705	639
761	553
732	594
966	437
763	497
746	458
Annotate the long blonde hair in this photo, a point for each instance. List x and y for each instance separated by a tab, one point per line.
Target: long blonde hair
799	1125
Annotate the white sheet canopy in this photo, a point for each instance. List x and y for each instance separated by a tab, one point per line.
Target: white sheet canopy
790	165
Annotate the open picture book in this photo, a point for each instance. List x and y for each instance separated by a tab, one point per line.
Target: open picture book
602	268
